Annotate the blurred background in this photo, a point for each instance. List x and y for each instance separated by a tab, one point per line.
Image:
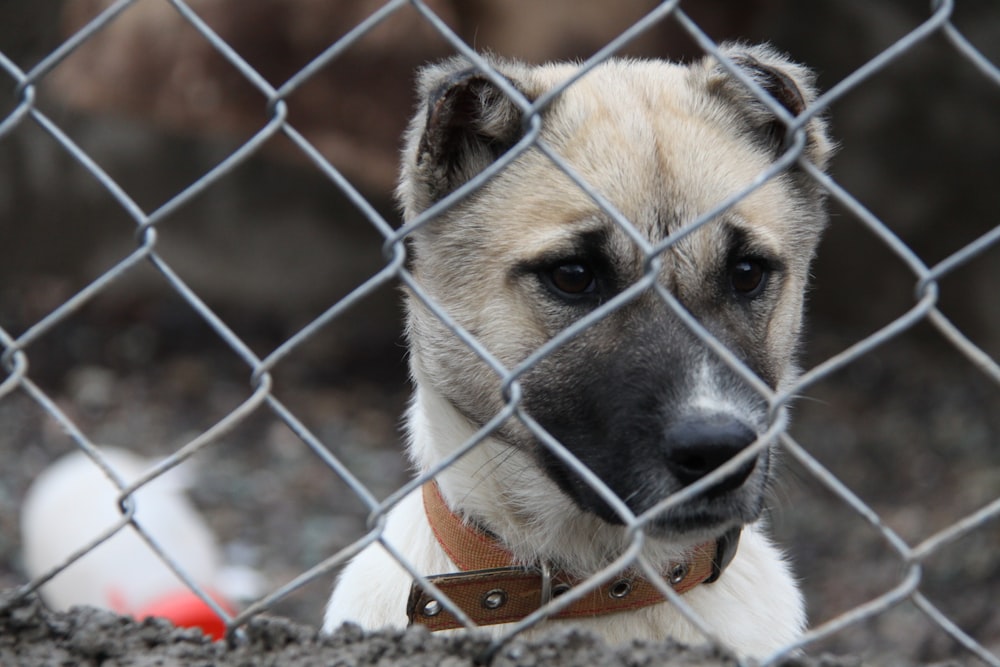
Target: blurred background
913	428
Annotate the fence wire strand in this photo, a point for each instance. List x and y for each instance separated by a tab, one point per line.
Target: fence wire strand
15	353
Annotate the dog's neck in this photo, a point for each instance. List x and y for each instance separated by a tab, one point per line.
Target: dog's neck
491	588
502	490
471	548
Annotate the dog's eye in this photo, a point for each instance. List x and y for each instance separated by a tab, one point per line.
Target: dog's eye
748	276
573	279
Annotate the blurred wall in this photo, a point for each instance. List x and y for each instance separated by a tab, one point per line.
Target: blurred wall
157	106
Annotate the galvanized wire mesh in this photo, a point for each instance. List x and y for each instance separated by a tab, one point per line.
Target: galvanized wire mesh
17	353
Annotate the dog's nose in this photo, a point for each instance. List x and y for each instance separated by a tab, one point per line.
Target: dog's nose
697	446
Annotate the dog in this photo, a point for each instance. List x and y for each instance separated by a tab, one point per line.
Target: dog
638	400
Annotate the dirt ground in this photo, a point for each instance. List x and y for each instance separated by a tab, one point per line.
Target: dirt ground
910	429
30	635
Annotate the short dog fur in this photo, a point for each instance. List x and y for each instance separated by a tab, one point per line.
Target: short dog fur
637	397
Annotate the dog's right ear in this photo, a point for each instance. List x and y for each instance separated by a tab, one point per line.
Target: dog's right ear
464	123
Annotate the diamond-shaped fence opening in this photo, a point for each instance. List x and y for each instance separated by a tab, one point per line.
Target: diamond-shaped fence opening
213	287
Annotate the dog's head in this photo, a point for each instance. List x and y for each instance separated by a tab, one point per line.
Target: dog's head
637	397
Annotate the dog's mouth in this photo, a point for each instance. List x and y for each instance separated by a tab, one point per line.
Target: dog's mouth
721	506
731	502
734	500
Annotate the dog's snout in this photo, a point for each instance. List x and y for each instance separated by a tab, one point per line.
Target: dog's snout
697	446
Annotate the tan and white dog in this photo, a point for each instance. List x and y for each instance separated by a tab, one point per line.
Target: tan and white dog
637	398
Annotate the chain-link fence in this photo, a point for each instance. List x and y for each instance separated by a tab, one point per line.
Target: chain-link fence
24	345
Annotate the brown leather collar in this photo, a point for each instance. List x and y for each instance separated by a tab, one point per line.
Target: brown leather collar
492	589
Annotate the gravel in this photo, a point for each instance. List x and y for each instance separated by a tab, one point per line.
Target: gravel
30	635
910	429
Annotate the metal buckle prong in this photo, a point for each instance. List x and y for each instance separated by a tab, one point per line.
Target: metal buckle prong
546	573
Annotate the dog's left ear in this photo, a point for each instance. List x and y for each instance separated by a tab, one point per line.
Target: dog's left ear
463	124
791	85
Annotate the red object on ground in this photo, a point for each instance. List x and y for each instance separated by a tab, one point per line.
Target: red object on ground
187	610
